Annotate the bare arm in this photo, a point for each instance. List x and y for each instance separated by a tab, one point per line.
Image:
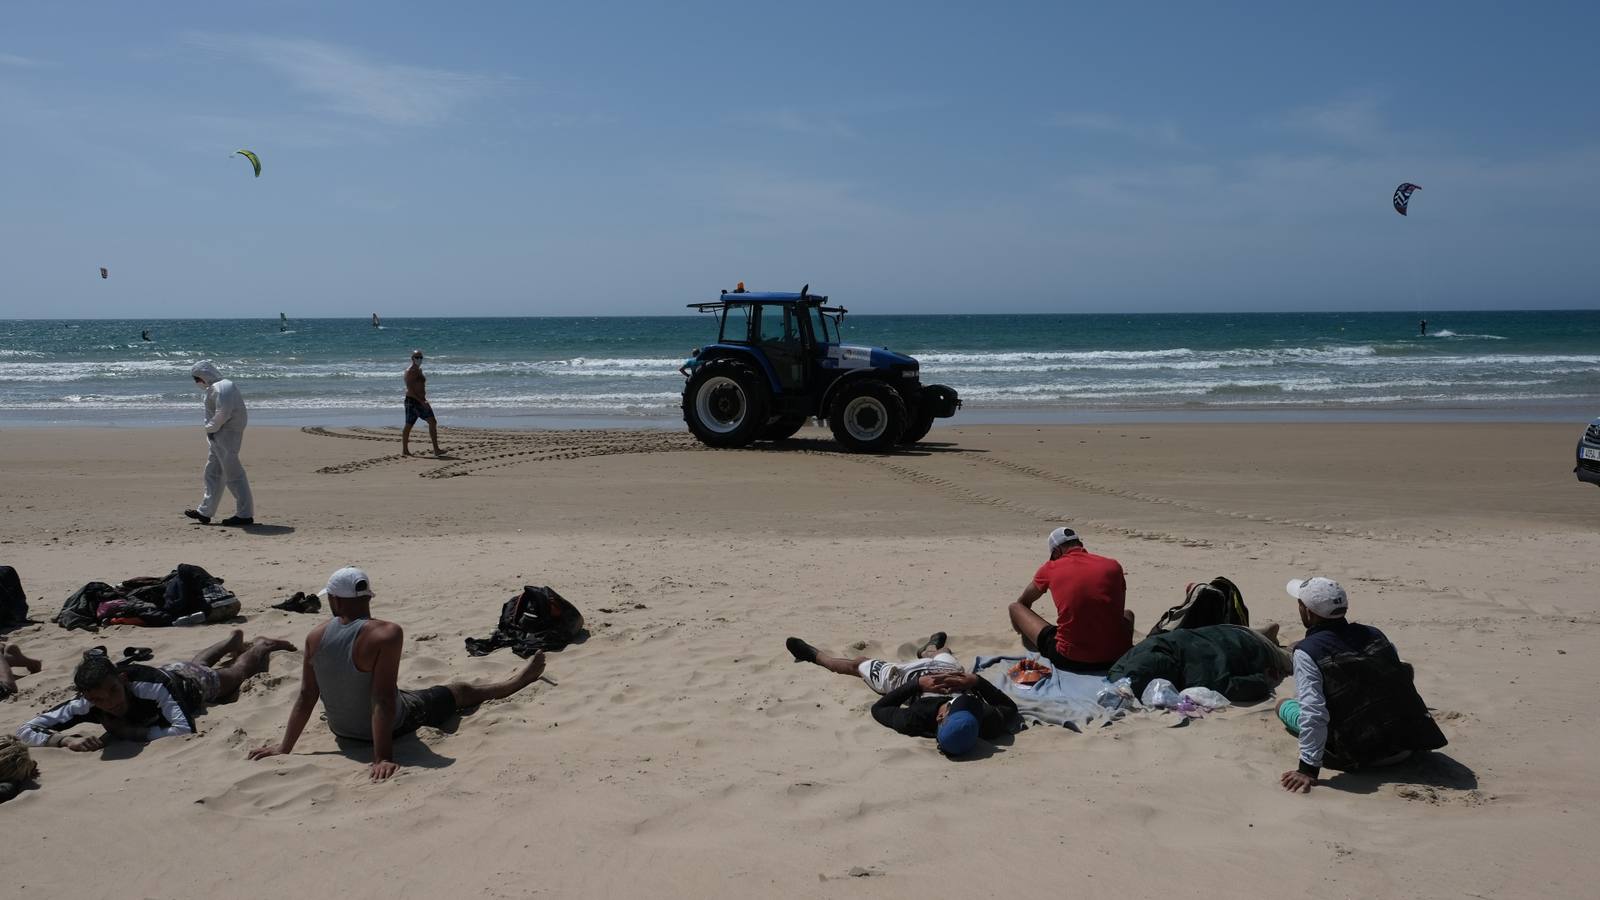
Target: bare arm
1031	593
385	685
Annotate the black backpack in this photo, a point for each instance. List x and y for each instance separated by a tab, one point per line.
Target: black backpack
1214	602
13	601
82	609
541	611
536	619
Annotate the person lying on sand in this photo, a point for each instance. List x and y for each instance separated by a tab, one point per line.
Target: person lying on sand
12	655
352	664
1093	626
1355	703
884	675
930	700
135	702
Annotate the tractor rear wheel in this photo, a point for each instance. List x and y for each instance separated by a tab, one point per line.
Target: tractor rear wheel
725	403
867	416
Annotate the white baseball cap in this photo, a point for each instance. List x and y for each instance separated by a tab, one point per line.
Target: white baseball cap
348	582
1062	535
1322	596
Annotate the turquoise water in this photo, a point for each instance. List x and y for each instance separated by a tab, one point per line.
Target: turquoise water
1013	366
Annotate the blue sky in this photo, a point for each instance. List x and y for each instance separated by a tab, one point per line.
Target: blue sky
600	158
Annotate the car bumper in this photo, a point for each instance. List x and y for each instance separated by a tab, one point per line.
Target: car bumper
1587	470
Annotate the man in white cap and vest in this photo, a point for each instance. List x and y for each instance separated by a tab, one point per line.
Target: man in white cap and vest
1093	626
352	664
1355	704
225	421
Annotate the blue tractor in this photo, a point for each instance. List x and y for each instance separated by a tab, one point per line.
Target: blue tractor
778	361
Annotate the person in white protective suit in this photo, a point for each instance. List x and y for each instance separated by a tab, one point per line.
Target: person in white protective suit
225	421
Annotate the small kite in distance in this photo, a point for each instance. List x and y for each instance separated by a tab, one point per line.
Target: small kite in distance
255	161
1402	196
104	273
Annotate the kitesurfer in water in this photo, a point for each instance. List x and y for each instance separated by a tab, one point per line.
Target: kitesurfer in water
145	334
1422	328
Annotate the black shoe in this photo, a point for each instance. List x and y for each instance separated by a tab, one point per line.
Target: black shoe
195	515
803	652
935	640
234	521
301	602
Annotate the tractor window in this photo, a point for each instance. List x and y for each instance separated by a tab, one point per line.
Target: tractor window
778	326
821	327
736	323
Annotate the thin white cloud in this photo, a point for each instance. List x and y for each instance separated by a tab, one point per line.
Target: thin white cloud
773	196
1353	121
350	83
795	122
19	62
1163	133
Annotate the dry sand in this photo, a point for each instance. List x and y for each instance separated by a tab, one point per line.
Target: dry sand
683	755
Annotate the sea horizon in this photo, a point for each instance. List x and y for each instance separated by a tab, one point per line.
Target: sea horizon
1023	368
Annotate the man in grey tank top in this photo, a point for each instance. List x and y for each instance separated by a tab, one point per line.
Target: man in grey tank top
352	664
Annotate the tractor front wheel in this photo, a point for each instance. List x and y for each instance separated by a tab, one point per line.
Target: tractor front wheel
921	423
725	403
867	416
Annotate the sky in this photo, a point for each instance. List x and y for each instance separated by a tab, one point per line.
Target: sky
625	159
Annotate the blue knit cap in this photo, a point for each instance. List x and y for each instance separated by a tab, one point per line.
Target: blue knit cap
958	733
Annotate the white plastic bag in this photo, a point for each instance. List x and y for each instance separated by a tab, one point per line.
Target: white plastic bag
1206	697
1117	695
1159	694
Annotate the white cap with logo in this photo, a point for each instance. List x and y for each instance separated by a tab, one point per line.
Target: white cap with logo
348	582
1322	596
1062	535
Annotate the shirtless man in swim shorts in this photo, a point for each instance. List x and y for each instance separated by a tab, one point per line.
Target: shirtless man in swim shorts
417	406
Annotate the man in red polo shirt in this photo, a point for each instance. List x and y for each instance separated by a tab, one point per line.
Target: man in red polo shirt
1093	627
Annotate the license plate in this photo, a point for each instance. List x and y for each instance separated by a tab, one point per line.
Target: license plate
1591	454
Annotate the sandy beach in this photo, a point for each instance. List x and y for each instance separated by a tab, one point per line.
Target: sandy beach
683	754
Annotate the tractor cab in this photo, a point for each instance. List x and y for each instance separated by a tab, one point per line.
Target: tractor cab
793	332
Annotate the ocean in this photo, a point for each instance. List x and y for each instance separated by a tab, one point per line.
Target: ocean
1522	365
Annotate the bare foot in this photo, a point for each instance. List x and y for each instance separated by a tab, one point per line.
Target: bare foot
273	645
14	656
531	672
235	644
405	452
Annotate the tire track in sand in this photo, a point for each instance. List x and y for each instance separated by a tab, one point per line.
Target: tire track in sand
472	451
1092	487
1044	515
